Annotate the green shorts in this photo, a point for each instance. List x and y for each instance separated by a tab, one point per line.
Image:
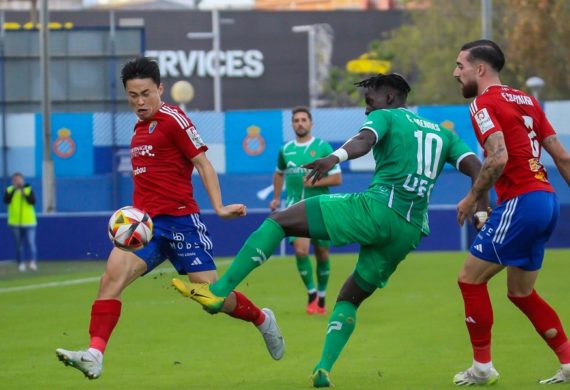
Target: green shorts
314	241
385	237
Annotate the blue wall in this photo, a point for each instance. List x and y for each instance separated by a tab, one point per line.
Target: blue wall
84	236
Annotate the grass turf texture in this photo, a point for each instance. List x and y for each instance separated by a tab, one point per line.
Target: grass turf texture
410	335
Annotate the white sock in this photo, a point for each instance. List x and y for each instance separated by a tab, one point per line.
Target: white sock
96	354
482	369
565	367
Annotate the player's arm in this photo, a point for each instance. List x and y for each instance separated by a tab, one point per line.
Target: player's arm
278	179
355	147
490	172
559	154
212	185
8	196
31	198
327	181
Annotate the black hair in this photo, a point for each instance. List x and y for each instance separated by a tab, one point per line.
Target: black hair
392	80
487	51
140	68
302	109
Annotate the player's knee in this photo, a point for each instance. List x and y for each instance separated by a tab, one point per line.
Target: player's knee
550	333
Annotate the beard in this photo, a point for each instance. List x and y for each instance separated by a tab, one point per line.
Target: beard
469	89
301	132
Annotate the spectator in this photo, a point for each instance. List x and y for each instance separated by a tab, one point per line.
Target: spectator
20	200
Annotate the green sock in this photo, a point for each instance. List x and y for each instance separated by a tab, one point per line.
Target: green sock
259	246
306	271
323	272
341	324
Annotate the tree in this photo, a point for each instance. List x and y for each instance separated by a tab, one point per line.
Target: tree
533	33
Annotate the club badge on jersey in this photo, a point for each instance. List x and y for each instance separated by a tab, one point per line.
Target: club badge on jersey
152	126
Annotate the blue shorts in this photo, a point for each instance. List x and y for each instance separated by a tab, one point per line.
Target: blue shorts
517	230
183	240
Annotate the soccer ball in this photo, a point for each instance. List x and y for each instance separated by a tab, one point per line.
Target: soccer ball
130	229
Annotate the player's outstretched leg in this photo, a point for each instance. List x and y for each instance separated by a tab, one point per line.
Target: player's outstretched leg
85	361
561	376
473	377
200	292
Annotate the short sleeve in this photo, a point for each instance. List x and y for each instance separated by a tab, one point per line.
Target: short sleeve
378	121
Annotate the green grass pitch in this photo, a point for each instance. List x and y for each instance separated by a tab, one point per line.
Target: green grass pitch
411	335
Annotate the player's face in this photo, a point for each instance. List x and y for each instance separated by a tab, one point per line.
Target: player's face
375	100
466	74
302	124
144	97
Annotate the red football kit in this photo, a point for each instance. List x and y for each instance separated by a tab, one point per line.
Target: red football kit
524	126
161	153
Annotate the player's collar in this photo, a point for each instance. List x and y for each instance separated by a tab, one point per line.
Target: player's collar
492	85
305	143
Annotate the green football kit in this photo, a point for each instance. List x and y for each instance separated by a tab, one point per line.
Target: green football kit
390	217
292	156
388	220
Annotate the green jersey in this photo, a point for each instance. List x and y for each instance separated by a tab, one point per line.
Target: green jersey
292	156
410	153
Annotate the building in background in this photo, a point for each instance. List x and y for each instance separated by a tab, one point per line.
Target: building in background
265	5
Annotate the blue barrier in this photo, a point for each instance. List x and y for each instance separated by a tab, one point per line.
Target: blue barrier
73	236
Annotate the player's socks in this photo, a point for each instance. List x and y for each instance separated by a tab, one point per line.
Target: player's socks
311	295
478	318
305	269
546	322
322	297
323	272
340	327
105	314
246	310
255	251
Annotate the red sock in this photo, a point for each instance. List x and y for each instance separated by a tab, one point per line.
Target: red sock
479	319
544	318
105	314
246	310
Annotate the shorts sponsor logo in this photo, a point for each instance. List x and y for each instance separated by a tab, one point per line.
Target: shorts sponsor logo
196	262
484	121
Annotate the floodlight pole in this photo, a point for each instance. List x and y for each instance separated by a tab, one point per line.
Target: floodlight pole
486	19
215	36
3	108
48	176
310	30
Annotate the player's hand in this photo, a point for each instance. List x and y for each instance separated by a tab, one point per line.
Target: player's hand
274	204
319	167
481	217
232	211
466	208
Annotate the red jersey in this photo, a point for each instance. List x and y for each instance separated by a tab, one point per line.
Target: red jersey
161	153
524	126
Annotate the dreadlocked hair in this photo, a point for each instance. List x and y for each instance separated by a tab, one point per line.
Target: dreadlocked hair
392	80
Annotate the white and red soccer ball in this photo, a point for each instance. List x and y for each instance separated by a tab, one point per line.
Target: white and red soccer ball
130	229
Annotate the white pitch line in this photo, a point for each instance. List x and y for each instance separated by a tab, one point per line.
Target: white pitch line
74	281
47	285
